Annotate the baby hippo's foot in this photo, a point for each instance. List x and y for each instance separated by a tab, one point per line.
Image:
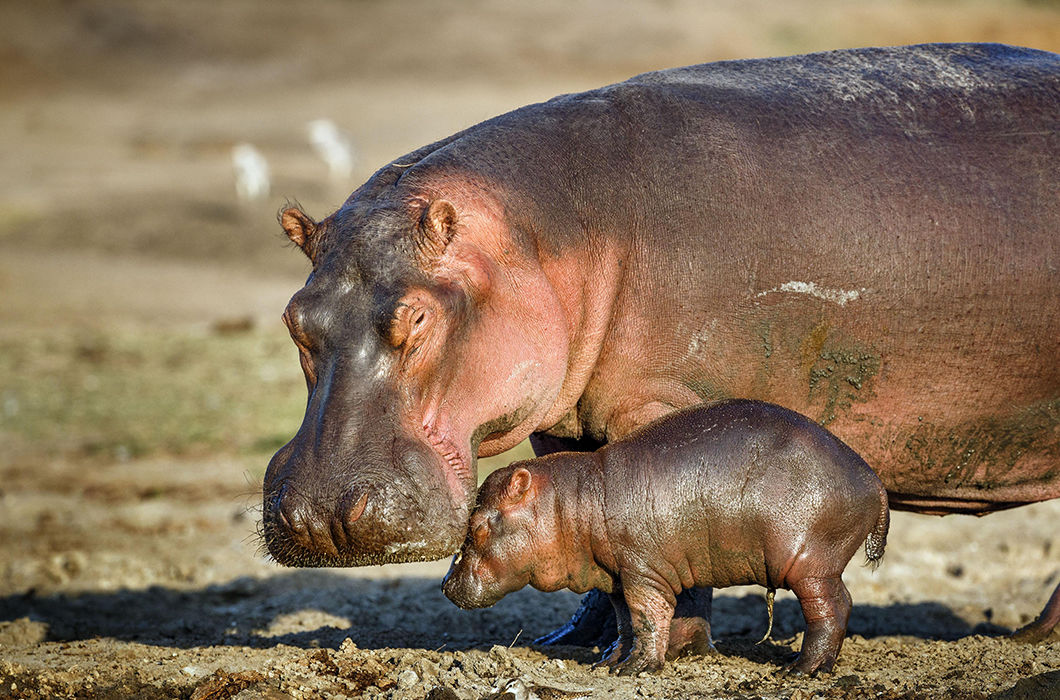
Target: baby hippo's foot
689	636
804	665
825	606
637	662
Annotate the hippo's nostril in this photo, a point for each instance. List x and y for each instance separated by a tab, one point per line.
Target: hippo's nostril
358	509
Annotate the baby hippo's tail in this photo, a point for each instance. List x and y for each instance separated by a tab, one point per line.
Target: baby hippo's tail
877	539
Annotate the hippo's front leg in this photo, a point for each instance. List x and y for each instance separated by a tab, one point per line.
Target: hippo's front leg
651	611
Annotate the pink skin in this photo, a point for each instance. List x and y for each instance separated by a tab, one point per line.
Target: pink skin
462	376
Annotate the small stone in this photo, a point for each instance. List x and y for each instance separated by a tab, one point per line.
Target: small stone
440	692
407	679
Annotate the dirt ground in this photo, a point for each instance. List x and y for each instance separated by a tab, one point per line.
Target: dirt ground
145	378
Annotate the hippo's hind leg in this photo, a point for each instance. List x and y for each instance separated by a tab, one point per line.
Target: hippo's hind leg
826	608
1046	626
690	628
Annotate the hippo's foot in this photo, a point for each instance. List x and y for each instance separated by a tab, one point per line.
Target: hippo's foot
1046	627
638	663
1036	634
826	608
689	636
804	665
591	625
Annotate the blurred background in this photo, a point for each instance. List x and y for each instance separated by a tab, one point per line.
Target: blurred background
146	148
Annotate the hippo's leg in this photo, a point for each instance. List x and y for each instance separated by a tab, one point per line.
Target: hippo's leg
621	647
593	624
826	608
650	613
1046	626
690	629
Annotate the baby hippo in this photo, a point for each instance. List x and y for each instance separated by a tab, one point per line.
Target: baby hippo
741	492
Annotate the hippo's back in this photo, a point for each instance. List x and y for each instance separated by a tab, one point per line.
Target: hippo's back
885	73
728	445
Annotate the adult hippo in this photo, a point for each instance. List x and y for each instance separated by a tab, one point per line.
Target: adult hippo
870	237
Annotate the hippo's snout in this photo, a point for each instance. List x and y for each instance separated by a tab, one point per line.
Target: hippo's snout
301	531
363	517
466	589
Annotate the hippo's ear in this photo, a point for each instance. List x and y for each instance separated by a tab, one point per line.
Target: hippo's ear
301	229
435	230
518	486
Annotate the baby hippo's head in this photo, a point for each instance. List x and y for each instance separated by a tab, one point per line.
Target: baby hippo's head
504	545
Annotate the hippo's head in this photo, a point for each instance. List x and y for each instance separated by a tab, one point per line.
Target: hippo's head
503	550
428	335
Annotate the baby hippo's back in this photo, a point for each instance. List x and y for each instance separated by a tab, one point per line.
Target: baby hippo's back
739	492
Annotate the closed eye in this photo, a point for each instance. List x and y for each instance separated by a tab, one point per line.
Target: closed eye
408	326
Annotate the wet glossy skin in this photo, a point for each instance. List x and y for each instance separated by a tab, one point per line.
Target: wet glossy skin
736	493
867	237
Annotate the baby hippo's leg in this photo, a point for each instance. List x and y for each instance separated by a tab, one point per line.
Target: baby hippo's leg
650	613
826	608
690	628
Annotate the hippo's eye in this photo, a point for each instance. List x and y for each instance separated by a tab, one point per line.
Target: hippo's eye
408	325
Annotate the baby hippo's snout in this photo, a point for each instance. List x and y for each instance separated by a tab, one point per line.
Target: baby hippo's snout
459	585
464	586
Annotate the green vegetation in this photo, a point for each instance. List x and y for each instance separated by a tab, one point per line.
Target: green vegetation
121	395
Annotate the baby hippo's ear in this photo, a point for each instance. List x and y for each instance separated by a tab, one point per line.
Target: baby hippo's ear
518	486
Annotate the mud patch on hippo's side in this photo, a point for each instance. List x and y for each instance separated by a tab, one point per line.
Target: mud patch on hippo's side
842	376
986	453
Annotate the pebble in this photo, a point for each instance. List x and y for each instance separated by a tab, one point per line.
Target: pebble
407	679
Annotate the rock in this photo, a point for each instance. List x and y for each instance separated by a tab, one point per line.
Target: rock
407	678
440	692
22	632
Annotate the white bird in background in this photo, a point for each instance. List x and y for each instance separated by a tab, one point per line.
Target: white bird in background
333	146
252	172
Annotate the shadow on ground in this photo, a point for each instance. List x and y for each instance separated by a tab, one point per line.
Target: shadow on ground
320	609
